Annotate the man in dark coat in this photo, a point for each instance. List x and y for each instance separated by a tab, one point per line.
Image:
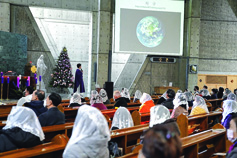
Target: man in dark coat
79	80
53	116
170	94
119	101
37	103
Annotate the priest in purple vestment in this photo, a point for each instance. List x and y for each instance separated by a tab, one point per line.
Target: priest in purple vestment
79	79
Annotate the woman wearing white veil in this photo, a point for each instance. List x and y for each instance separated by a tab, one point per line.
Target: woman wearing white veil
22	130
146	102
90	135
158	115
180	105
122	119
199	106
104	96
229	106
75	100
125	93
138	95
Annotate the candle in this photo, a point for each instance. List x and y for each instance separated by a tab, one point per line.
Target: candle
2	79
35	75
40	78
20	77
28	80
18	83
1	73
8	80
36	80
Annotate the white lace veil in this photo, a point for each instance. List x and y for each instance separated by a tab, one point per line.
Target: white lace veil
180	99
26	119
231	96
125	93
138	94
189	96
205	92
96	99
199	101
90	135
122	118
145	97
229	106
41	67
23	100
94	93
76	98
103	95
164	95
158	115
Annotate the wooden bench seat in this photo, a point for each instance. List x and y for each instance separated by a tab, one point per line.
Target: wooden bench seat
54	148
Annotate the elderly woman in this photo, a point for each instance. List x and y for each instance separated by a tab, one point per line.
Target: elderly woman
125	93
205	94
199	106
180	105
97	102
104	96
229	106
75	100
138	95
22	130
90	135
122	119
146	102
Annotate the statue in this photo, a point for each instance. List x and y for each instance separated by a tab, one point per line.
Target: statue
41	69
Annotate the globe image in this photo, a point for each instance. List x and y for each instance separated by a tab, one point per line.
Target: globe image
150	31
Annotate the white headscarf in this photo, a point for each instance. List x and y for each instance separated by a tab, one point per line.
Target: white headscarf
76	98
24	100
103	95
158	115
125	93
205	92
180	99
96	99
164	95
145	97
122	118
231	96
229	106
199	101
90	135
189	96
26	119
138	94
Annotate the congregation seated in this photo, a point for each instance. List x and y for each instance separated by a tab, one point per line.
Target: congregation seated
189	98
119	101
52	116
27	96
170	94
138	95
196	90
90	135
160	142
220	92
22	130
158	115
122	119
75	100
97	102
229	106
125	94
180	105
205	94
104	96
199	106
226	93
214	93
163	98
37	103
146	102
232	136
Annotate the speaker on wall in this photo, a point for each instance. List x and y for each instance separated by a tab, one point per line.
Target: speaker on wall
109	87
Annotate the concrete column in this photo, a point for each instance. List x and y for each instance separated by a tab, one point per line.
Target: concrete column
4	17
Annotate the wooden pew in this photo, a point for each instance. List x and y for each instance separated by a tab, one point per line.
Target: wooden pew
54	148
216	103
201	145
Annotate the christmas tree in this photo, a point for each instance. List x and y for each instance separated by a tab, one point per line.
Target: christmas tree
62	75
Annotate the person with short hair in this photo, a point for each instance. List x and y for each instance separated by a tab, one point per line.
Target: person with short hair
27	96
37	102
214	93
53	116
232	136
79	80
196	90
22	130
119	101
220	92
170	94
147	103
205	87
161	142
